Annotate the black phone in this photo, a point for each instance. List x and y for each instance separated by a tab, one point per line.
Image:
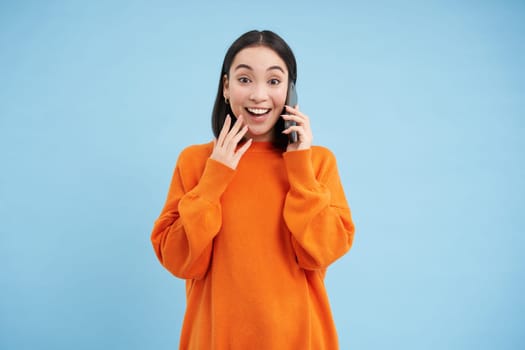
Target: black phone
291	100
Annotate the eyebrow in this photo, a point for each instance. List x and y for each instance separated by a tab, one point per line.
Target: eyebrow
242	65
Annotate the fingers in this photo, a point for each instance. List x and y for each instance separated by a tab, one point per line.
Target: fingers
295	115
238	137
227	132
235	135
225	147
301	122
240	152
302	127
224	131
293	128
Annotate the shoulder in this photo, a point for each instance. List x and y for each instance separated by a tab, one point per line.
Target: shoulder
321	151
195	153
324	162
192	159
322	156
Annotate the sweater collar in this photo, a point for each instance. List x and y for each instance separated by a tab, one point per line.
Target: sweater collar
262	146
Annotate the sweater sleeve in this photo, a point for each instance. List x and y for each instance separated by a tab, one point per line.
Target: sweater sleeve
315	210
182	236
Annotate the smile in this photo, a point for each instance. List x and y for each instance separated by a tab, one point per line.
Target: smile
258	111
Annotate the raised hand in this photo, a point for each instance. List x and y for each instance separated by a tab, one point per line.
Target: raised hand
225	146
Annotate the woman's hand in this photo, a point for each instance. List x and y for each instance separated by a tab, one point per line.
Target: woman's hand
304	132
225	146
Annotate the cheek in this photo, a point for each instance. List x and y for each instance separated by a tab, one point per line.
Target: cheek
236	100
237	96
236	107
279	98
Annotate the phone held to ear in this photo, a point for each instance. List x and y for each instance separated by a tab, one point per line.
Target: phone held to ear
291	100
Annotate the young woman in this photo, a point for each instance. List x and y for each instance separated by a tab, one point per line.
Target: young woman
251	221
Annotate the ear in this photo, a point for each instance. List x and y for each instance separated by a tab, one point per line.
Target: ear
225	86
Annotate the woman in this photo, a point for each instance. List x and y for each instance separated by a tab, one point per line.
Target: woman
252	221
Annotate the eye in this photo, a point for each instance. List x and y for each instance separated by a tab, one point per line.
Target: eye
244	80
274	81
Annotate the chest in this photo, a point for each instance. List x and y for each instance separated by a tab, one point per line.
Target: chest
258	183
252	212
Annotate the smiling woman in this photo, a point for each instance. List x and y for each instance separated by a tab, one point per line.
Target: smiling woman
257	91
252	221
283	60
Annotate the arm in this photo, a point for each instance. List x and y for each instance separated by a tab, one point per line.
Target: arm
183	234
315	210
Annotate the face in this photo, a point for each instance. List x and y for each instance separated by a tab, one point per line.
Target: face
257	87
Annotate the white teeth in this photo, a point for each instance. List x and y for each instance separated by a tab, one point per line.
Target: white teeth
258	110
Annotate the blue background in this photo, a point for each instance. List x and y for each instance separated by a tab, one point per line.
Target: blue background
422	103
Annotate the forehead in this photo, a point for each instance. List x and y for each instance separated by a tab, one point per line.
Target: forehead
260	58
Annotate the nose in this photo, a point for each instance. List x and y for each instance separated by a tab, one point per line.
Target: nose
258	93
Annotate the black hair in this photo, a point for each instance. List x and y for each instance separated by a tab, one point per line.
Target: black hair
250	39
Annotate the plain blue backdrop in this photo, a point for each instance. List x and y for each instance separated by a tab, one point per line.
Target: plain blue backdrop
422	103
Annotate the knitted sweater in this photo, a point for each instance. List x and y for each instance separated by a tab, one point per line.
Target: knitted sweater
253	245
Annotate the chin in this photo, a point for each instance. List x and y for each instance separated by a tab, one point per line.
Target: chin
265	135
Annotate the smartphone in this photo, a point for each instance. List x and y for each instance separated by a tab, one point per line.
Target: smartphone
291	100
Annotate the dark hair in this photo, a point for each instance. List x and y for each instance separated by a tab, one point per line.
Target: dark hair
250	39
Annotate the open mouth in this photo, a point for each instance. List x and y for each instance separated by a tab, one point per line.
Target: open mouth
258	112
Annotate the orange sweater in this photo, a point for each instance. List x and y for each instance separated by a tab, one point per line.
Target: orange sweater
253	245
